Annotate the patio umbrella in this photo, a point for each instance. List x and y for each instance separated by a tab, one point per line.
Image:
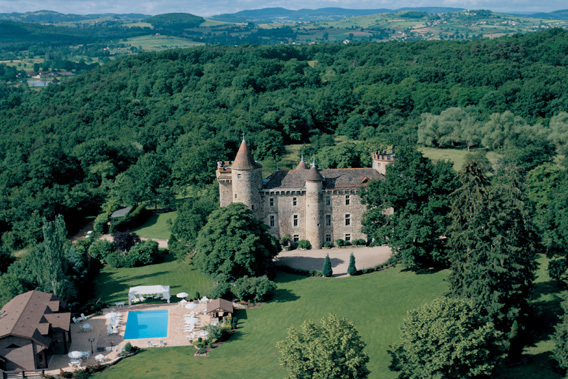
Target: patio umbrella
75	355
192	320
182	295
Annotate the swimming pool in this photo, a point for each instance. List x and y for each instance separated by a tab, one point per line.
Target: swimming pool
146	324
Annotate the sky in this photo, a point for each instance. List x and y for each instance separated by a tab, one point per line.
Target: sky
213	7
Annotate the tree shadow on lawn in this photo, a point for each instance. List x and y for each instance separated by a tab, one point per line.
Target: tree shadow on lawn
308	263
546	313
532	366
283	295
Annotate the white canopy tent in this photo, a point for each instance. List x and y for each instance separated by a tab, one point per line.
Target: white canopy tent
149	290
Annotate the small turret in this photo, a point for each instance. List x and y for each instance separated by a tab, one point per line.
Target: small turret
302	165
314	194
381	159
246	179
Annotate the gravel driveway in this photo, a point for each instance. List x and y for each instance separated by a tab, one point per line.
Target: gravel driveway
365	257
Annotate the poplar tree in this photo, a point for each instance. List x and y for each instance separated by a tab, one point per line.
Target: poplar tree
493	247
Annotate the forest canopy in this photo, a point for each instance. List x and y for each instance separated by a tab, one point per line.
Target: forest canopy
69	148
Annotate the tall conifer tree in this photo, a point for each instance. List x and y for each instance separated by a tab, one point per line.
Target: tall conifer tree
493	246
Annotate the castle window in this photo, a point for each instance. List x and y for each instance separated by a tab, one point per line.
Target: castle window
296	237
295	220
271	201
348	237
238	176
235	196
272	221
253	207
294	201
328	238
347	219
347	199
328	200
327	220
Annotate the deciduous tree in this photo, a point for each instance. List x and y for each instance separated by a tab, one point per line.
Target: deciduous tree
234	243
331	349
447	338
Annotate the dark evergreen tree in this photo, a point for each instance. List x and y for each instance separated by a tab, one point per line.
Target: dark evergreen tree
352	270
418	192
493	248
327	271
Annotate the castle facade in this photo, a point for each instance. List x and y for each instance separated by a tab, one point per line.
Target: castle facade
305	203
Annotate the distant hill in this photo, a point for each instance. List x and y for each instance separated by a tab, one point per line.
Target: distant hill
51	17
175	21
272	15
556	15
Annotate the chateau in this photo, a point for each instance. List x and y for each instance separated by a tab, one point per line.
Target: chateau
306	203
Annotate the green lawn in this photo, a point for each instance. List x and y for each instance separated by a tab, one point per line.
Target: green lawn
156	226
112	284
457	156
376	302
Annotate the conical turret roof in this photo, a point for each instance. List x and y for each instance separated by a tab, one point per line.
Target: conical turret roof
244	159
314	175
302	165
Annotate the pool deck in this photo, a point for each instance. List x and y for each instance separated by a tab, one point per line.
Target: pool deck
114	343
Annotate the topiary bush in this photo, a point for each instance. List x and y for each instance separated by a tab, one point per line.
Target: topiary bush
327	271
254	289
352	270
304	244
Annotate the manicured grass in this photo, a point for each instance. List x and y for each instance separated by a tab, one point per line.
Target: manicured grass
457	156
376	303
157	226
112	284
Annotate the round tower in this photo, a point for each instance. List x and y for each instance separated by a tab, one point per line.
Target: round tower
314	191
246	176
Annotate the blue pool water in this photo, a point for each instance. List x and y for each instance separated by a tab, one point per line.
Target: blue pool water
146	324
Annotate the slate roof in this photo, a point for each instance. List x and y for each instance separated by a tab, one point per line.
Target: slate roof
332	178
31	315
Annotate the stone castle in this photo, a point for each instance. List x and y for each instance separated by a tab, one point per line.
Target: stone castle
305	203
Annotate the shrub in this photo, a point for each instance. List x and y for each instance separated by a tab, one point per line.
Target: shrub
304	244
359	242
216	333
327	270
144	253
328	245
254	289
286	239
100	225
125	240
352	270
340	242
221	290
115	259
100	249
234	323
128	347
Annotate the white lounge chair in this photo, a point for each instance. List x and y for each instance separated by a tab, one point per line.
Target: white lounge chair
162	343
83	317
76	320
